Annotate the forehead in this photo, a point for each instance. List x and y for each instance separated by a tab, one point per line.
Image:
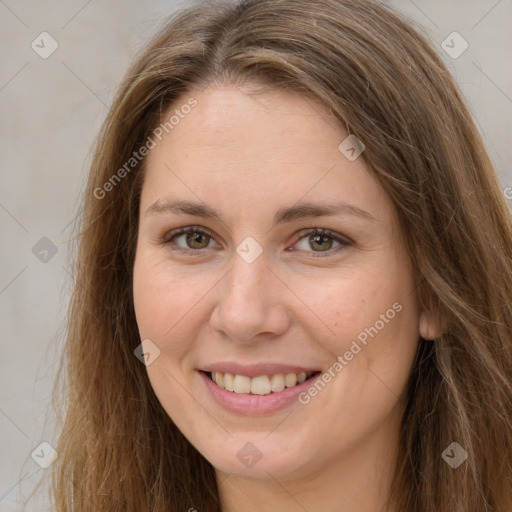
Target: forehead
253	150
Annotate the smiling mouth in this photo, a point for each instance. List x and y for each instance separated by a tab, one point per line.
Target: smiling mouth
260	385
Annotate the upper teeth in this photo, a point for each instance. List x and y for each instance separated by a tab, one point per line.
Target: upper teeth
261	385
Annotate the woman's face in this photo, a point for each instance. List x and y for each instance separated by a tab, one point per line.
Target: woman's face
253	294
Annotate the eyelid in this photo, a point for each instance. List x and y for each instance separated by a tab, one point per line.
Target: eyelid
167	238
343	239
185	229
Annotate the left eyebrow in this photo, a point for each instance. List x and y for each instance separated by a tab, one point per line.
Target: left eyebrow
283	215
308	210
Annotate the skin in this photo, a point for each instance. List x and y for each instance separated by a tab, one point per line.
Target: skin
247	156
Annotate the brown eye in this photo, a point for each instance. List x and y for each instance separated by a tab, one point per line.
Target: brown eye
195	239
321	241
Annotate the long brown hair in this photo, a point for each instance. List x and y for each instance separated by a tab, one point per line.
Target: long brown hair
119	451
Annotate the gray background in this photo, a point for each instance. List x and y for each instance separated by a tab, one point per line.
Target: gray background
51	111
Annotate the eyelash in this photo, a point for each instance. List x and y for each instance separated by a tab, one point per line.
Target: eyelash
345	242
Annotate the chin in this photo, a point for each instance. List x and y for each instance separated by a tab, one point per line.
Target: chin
260	457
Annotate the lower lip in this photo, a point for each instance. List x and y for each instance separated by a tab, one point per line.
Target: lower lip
247	404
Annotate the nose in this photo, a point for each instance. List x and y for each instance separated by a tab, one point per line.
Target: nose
251	304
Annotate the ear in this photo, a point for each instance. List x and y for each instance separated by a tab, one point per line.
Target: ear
430	327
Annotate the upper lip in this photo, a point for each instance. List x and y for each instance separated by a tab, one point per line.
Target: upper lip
254	370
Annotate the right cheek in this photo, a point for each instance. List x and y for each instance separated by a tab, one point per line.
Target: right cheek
148	307
146	292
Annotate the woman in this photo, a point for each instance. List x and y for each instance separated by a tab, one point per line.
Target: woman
294	281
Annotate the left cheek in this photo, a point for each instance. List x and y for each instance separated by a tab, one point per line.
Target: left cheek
388	352
351	307
368	314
